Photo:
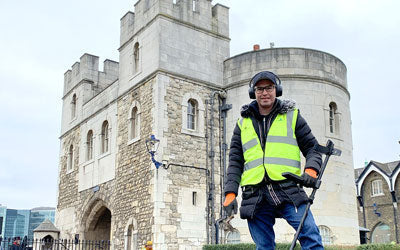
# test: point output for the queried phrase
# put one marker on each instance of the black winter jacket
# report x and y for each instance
(282, 191)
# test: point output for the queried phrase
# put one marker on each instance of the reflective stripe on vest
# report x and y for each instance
(282, 153)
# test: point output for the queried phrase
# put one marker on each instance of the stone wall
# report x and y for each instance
(132, 197)
(182, 222)
(384, 206)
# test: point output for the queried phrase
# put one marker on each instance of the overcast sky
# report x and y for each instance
(40, 40)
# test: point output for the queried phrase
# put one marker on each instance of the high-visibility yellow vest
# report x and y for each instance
(282, 154)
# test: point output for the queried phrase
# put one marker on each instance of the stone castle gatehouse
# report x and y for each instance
(176, 80)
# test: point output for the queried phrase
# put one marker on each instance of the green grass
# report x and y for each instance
(283, 246)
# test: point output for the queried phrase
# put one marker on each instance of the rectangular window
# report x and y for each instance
(376, 188)
(194, 198)
(195, 5)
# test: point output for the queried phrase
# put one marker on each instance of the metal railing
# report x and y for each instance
(58, 244)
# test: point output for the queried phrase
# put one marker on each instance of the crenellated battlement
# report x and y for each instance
(88, 69)
(199, 13)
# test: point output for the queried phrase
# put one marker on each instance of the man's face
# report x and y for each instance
(266, 97)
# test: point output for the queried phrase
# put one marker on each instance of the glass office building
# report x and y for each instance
(22, 222)
(38, 215)
(17, 223)
(3, 211)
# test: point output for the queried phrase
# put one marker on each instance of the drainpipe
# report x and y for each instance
(394, 200)
(207, 181)
(361, 202)
(211, 155)
(223, 114)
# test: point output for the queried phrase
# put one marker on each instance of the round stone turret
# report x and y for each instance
(316, 80)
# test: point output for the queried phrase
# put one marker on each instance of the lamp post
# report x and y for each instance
(152, 145)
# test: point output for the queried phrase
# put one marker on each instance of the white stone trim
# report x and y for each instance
(371, 168)
(394, 177)
(199, 130)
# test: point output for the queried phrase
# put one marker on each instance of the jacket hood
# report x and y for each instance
(280, 106)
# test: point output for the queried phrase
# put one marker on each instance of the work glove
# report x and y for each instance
(230, 204)
(309, 177)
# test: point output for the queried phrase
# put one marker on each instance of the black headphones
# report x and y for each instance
(265, 75)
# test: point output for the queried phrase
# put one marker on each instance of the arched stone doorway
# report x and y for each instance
(381, 233)
(47, 243)
(98, 226)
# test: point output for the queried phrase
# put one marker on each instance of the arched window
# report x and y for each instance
(233, 237)
(131, 235)
(192, 114)
(134, 123)
(70, 160)
(73, 106)
(332, 117)
(376, 188)
(381, 233)
(326, 235)
(89, 145)
(136, 57)
(104, 137)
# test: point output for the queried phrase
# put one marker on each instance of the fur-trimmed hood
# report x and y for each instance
(280, 106)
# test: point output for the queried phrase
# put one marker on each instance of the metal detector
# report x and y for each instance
(328, 150)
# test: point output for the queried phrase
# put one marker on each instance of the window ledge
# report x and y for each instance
(70, 170)
(133, 140)
(72, 120)
(192, 132)
(105, 154)
(135, 75)
(87, 162)
(376, 195)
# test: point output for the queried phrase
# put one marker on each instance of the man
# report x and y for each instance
(16, 243)
(266, 142)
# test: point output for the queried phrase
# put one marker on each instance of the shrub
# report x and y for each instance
(378, 247)
(286, 246)
(279, 246)
(245, 246)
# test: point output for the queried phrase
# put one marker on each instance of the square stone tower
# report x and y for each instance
(169, 75)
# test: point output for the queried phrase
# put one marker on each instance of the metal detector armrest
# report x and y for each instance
(293, 177)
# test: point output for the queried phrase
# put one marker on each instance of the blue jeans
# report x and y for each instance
(262, 232)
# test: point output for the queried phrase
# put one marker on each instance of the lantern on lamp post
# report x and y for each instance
(152, 145)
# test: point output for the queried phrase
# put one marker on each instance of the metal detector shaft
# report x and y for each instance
(328, 151)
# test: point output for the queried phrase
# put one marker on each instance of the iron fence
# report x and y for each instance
(58, 244)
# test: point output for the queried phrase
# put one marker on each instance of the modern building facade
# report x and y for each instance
(17, 223)
(176, 80)
(378, 194)
(22, 222)
(3, 213)
(39, 215)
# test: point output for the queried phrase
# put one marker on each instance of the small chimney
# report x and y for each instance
(256, 47)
